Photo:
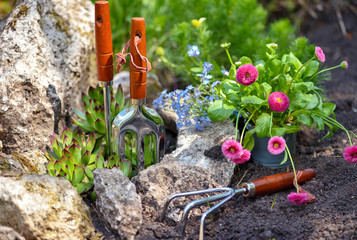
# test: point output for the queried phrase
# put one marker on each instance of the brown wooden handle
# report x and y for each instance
(138, 77)
(281, 181)
(103, 42)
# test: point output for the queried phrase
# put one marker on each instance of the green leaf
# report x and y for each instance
(89, 119)
(232, 72)
(89, 173)
(54, 139)
(83, 187)
(90, 141)
(99, 125)
(291, 129)
(78, 176)
(248, 141)
(51, 168)
(75, 150)
(119, 97)
(319, 122)
(79, 114)
(85, 99)
(329, 133)
(285, 157)
(99, 162)
(306, 101)
(70, 165)
(245, 60)
(67, 133)
(262, 125)
(83, 125)
(310, 69)
(93, 93)
(196, 70)
(85, 158)
(306, 119)
(277, 131)
(266, 89)
(252, 100)
(67, 153)
(126, 168)
(328, 108)
(219, 111)
(79, 136)
(302, 86)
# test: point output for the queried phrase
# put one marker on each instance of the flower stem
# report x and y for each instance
(292, 164)
(287, 91)
(235, 138)
(245, 125)
(229, 56)
(325, 70)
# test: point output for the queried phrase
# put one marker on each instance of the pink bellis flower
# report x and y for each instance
(276, 145)
(298, 198)
(243, 158)
(320, 54)
(344, 65)
(247, 74)
(278, 102)
(350, 154)
(232, 149)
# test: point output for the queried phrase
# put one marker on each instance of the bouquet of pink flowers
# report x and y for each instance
(276, 96)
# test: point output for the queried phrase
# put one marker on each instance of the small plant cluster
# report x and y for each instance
(191, 104)
(74, 157)
(78, 151)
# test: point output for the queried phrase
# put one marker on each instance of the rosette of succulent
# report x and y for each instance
(276, 96)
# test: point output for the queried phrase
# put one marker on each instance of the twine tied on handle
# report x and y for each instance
(120, 57)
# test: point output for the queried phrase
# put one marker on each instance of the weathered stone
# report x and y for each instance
(43, 207)
(158, 182)
(21, 163)
(117, 202)
(192, 145)
(46, 50)
(169, 118)
(7, 233)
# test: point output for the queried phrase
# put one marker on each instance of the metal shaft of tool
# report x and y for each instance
(205, 214)
(200, 202)
(107, 116)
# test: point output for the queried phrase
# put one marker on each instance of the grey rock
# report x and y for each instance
(22, 163)
(46, 60)
(117, 202)
(192, 145)
(158, 182)
(43, 207)
(7, 233)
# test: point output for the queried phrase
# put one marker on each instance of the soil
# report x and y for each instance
(333, 214)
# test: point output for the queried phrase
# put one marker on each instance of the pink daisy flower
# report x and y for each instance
(344, 65)
(247, 74)
(232, 149)
(276, 145)
(278, 102)
(243, 158)
(350, 154)
(320, 54)
(298, 198)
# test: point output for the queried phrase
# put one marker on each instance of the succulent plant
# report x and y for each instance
(93, 119)
(74, 157)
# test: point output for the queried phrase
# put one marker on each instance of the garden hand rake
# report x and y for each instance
(261, 186)
(138, 119)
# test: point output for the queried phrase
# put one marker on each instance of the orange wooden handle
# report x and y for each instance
(137, 77)
(103, 42)
(281, 181)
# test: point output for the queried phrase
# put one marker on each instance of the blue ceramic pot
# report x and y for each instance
(261, 155)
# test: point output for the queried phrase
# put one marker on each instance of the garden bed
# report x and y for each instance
(333, 215)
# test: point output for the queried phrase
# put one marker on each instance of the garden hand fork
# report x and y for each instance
(138, 119)
(261, 186)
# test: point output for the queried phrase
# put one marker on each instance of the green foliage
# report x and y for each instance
(172, 25)
(74, 157)
(284, 73)
(93, 119)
